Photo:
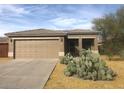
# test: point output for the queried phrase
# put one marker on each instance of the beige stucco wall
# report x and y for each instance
(62, 51)
(10, 52)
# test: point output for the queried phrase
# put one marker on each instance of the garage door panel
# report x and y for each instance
(36, 48)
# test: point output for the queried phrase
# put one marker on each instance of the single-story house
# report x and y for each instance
(3, 47)
(44, 43)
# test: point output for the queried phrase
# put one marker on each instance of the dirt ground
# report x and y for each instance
(59, 81)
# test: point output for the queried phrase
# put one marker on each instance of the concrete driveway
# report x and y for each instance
(25, 74)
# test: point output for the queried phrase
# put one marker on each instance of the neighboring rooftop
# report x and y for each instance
(47, 32)
(3, 40)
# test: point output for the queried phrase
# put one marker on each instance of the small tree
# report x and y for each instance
(112, 28)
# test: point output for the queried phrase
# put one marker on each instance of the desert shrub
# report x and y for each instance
(89, 67)
(71, 68)
(66, 59)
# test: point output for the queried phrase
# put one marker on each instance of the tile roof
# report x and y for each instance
(81, 31)
(37, 32)
(47, 32)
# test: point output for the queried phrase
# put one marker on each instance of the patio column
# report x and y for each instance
(95, 44)
(62, 46)
(80, 43)
(95, 49)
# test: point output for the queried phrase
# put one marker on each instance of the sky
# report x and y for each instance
(19, 17)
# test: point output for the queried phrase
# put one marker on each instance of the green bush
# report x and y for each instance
(89, 67)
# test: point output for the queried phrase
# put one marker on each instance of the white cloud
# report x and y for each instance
(83, 26)
(63, 21)
(12, 10)
(4, 30)
(68, 23)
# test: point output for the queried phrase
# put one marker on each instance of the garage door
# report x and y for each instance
(36, 48)
(3, 49)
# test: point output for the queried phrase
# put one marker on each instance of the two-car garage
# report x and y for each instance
(36, 44)
(39, 48)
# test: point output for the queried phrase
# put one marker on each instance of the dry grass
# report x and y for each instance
(59, 80)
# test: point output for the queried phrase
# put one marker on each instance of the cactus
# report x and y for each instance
(94, 75)
(66, 59)
(89, 66)
(67, 72)
(104, 77)
(71, 67)
(102, 71)
(80, 72)
(109, 77)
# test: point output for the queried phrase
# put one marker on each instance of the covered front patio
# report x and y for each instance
(76, 43)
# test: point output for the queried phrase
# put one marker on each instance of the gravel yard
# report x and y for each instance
(59, 81)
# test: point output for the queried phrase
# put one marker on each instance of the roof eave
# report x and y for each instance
(83, 33)
(50, 35)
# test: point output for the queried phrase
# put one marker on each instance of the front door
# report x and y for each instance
(73, 47)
